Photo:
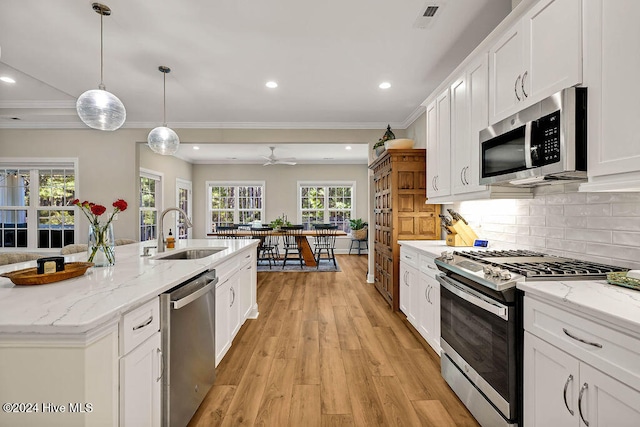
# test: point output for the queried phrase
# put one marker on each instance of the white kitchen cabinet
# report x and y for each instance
(577, 370)
(226, 316)
(141, 385)
(247, 297)
(611, 40)
(540, 55)
(409, 277)
(469, 115)
(429, 295)
(438, 146)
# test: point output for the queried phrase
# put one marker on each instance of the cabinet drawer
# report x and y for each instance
(409, 256)
(139, 324)
(615, 353)
(427, 266)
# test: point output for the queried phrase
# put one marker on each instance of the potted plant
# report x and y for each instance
(279, 222)
(358, 228)
(378, 147)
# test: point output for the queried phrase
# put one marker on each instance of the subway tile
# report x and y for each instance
(613, 197)
(567, 199)
(499, 219)
(531, 220)
(537, 210)
(599, 209)
(588, 235)
(614, 223)
(627, 238)
(532, 241)
(625, 209)
(566, 245)
(567, 221)
(554, 232)
(614, 251)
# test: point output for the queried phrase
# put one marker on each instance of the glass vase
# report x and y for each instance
(101, 245)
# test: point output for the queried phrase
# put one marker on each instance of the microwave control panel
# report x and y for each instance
(545, 141)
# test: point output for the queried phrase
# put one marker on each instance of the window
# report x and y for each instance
(234, 202)
(326, 202)
(150, 202)
(35, 210)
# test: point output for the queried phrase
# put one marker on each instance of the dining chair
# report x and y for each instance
(226, 231)
(290, 243)
(325, 240)
(265, 249)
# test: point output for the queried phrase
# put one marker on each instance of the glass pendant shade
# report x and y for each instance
(163, 140)
(101, 110)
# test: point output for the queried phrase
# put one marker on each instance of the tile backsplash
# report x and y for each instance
(559, 220)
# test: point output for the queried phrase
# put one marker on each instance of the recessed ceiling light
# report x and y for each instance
(7, 79)
(384, 85)
(195, 147)
(348, 147)
(271, 85)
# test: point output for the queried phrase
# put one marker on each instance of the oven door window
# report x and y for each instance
(504, 153)
(480, 338)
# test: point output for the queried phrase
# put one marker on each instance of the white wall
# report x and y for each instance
(599, 227)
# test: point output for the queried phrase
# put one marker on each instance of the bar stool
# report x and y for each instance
(358, 242)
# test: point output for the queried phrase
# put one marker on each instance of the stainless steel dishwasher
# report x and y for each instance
(187, 315)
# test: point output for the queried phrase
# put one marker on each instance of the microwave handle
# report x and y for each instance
(528, 161)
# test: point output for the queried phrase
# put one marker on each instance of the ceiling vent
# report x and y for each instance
(427, 15)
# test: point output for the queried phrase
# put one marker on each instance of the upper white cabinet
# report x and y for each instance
(611, 62)
(540, 55)
(438, 146)
(469, 115)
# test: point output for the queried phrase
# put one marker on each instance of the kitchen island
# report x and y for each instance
(63, 345)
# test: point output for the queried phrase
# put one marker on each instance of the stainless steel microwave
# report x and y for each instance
(545, 143)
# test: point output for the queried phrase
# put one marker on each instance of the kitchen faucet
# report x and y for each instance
(187, 222)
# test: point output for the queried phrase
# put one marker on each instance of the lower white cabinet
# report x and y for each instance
(141, 385)
(420, 295)
(581, 387)
(235, 299)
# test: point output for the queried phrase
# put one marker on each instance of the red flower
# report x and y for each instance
(120, 205)
(98, 209)
(75, 202)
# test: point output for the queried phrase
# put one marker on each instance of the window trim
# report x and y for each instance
(158, 176)
(326, 184)
(38, 163)
(216, 183)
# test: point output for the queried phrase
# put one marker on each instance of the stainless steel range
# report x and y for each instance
(481, 324)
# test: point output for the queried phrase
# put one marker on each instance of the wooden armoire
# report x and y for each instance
(400, 213)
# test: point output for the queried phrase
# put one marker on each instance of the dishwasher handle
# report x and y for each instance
(178, 304)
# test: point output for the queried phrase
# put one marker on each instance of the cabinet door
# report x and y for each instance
(505, 68)
(432, 148)
(478, 100)
(552, 30)
(246, 286)
(223, 331)
(612, 34)
(405, 291)
(443, 178)
(606, 401)
(550, 385)
(429, 311)
(460, 142)
(234, 307)
(141, 385)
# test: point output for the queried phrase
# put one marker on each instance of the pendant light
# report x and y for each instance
(163, 140)
(98, 108)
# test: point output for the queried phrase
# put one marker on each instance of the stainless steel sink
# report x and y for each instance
(191, 254)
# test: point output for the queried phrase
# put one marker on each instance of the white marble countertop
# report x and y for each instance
(77, 305)
(593, 298)
(429, 247)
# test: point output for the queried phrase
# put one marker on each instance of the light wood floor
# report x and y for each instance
(326, 350)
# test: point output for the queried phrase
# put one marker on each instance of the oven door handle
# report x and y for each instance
(493, 308)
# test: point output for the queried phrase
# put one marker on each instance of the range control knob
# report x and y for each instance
(495, 272)
(487, 269)
(505, 275)
(447, 255)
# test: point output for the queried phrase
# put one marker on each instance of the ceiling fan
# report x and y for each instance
(273, 160)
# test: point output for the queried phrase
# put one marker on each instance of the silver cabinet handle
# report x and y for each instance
(433, 182)
(564, 393)
(178, 304)
(582, 390)
(233, 297)
(570, 335)
(515, 88)
(461, 175)
(429, 292)
(466, 179)
(437, 176)
(426, 293)
(522, 84)
(143, 324)
(161, 361)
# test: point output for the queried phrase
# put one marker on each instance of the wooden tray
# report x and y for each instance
(30, 276)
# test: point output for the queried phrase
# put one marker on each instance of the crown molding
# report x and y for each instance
(38, 104)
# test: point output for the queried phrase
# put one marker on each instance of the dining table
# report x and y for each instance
(303, 242)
